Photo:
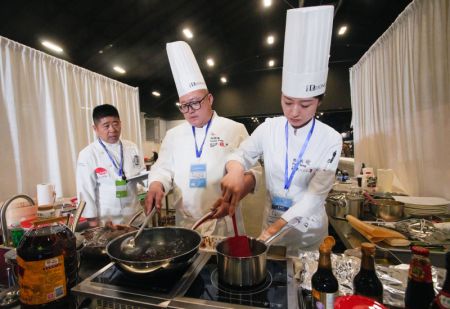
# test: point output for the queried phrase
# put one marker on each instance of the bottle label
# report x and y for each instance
(41, 282)
(420, 270)
(323, 300)
(443, 300)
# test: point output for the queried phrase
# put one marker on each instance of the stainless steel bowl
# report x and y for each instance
(388, 210)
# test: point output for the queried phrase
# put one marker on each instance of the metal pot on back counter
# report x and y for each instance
(340, 204)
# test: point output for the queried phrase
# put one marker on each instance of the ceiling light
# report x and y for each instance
(342, 30)
(119, 69)
(223, 79)
(271, 63)
(188, 33)
(267, 3)
(270, 39)
(156, 93)
(52, 46)
(321, 114)
(210, 62)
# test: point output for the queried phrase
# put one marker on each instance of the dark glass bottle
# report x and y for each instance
(442, 300)
(324, 284)
(419, 291)
(48, 265)
(366, 282)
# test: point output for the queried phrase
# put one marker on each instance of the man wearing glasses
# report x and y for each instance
(193, 154)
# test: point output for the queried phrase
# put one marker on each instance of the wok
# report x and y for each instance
(163, 249)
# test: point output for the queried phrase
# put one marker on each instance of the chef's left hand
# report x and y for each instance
(272, 229)
(221, 207)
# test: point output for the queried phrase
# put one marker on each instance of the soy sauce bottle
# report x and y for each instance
(366, 282)
(419, 291)
(324, 284)
(442, 300)
(48, 264)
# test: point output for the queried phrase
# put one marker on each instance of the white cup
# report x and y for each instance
(46, 194)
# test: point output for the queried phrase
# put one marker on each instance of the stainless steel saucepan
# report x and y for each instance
(251, 270)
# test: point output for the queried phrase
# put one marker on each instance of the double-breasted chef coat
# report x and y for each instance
(310, 184)
(177, 156)
(96, 180)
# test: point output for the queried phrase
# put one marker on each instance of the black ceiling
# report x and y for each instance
(97, 34)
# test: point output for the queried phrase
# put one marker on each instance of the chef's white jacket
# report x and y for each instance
(312, 181)
(96, 177)
(176, 155)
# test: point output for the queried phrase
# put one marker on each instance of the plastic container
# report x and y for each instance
(48, 266)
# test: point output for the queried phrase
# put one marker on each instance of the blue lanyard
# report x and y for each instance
(288, 180)
(198, 152)
(120, 167)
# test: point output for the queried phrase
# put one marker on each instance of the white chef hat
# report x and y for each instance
(306, 51)
(185, 70)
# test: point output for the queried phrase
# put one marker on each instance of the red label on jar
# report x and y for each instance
(420, 270)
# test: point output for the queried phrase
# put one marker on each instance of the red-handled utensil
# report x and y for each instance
(239, 245)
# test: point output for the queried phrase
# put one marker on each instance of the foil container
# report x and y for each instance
(393, 277)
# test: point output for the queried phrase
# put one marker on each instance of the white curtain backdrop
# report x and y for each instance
(46, 118)
(400, 92)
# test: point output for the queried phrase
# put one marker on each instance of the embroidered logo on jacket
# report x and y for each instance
(216, 141)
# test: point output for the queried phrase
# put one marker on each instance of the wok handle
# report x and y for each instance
(200, 221)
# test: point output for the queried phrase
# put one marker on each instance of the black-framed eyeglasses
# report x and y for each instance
(195, 105)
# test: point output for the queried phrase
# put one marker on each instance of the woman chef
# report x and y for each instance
(193, 155)
(300, 153)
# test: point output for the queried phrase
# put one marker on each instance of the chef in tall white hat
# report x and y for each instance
(300, 152)
(193, 155)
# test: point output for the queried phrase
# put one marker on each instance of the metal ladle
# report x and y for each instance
(128, 246)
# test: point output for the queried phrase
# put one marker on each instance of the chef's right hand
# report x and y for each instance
(233, 185)
(154, 196)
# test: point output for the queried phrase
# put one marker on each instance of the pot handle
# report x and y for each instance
(368, 197)
(291, 223)
(77, 215)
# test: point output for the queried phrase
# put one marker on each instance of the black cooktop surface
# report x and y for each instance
(272, 293)
(161, 284)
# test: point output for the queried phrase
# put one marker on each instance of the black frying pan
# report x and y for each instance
(162, 249)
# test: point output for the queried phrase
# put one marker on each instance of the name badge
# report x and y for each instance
(121, 188)
(197, 178)
(281, 203)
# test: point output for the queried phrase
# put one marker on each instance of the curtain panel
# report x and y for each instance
(46, 118)
(400, 93)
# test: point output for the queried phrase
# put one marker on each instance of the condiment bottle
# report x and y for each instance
(48, 264)
(442, 300)
(324, 284)
(419, 291)
(366, 282)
